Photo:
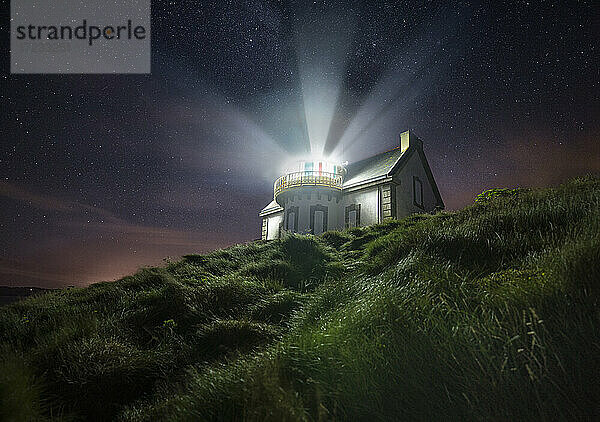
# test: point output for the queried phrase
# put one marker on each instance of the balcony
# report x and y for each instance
(308, 178)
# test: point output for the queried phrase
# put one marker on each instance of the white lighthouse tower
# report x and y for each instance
(310, 196)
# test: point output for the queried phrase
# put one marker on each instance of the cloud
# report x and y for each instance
(83, 250)
(20, 271)
(51, 203)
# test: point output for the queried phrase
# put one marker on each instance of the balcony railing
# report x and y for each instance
(308, 178)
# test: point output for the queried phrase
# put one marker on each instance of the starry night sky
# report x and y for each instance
(102, 174)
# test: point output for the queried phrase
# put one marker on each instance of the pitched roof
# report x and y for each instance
(271, 208)
(387, 163)
(372, 168)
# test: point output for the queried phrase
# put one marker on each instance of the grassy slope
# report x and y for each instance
(487, 313)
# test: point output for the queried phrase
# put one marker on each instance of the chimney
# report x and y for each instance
(408, 139)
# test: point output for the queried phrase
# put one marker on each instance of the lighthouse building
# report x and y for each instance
(317, 196)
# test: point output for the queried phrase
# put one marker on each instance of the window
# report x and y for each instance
(265, 228)
(291, 219)
(319, 222)
(352, 216)
(318, 219)
(418, 192)
(352, 219)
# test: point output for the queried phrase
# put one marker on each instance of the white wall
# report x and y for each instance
(404, 191)
(369, 205)
(304, 201)
(273, 222)
(367, 198)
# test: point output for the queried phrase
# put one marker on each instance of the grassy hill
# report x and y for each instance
(490, 313)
